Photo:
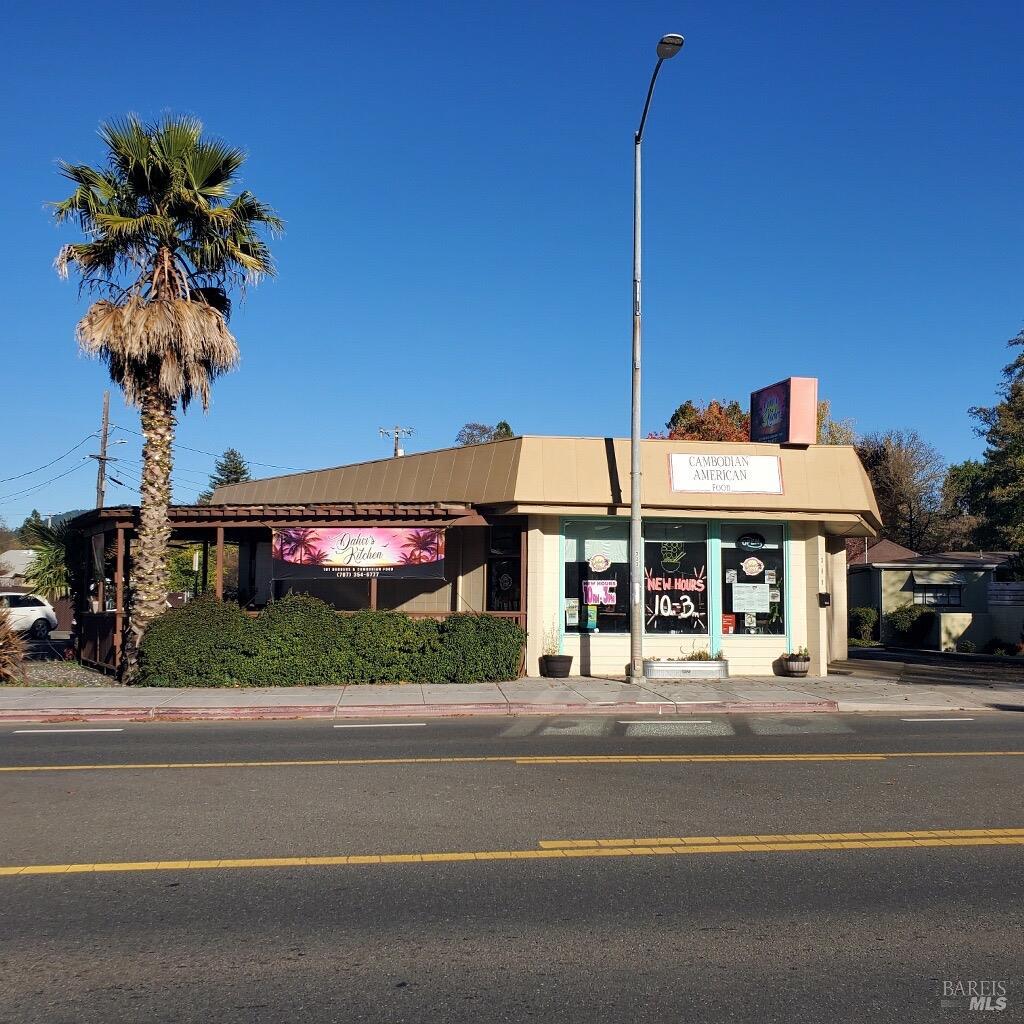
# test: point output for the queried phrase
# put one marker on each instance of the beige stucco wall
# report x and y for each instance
(816, 563)
(838, 613)
(462, 590)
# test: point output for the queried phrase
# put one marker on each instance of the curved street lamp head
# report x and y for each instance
(669, 46)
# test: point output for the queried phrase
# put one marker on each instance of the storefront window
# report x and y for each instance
(596, 577)
(504, 563)
(675, 578)
(753, 580)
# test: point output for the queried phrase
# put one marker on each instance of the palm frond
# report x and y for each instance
(47, 572)
(183, 345)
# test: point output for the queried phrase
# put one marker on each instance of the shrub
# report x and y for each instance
(910, 625)
(203, 643)
(998, 647)
(480, 648)
(300, 640)
(862, 623)
(300, 643)
(12, 651)
(966, 646)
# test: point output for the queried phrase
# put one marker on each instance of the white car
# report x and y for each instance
(30, 614)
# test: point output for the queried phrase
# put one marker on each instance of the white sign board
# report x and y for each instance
(725, 474)
(750, 597)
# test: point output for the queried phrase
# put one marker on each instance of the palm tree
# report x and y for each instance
(47, 573)
(165, 245)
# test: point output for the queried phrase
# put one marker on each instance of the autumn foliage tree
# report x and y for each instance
(716, 421)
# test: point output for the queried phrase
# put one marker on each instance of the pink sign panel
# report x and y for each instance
(333, 552)
(599, 592)
(785, 413)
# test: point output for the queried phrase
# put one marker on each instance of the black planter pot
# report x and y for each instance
(556, 666)
(796, 667)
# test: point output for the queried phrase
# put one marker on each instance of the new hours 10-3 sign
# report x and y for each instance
(358, 553)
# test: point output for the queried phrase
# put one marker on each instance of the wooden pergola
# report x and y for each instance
(101, 616)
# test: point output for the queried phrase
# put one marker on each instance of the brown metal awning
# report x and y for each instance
(199, 517)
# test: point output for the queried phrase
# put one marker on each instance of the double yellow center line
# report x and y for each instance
(524, 760)
(556, 849)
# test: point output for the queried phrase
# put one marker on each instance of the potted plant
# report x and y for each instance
(552, 664)
(699, 664)
(796, 663)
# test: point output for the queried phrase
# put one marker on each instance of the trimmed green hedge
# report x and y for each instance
(862, 623)
(301, 641)
(909, 626)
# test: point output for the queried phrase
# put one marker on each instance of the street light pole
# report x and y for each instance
(668, 46)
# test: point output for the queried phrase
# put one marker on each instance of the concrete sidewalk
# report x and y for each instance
(523, 697)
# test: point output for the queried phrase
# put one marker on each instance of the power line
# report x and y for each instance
(212, 455)
(39, 469)
(37, 487)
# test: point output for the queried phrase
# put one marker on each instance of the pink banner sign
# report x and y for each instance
(301, 553)
(599, 592)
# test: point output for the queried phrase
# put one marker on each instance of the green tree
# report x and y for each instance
(165, 244)
(8, 537)
(32, 520)
(230, 468)
(835, 432)
(181, 576)
(480, 433)
(1002, 426)
(965, 507)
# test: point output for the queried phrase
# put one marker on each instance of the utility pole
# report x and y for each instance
(668, 47)
(397, 433)
(101, 459)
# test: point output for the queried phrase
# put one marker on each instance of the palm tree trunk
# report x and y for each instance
(149, 563)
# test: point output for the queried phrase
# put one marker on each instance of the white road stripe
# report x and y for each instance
(58, 731)
(663, 721)
(936, 719)
(381, 725)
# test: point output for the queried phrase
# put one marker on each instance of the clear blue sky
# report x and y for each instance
(832, 189)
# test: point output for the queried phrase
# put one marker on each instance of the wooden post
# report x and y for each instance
(523, 576)
(219, 571)
(522, 571)
(118, 598)
(101, 570)
(373, 593)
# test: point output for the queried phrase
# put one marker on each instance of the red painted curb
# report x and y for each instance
(330, 711)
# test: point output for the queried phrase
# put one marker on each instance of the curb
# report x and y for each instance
(333, 712)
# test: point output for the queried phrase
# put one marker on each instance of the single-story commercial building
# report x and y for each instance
(744, 544)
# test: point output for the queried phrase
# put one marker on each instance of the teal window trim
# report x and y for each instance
(788, 600)
(715, 588)
(789, 587)
(712, 591)
(714, 532)
(561, 587)
(714, 626)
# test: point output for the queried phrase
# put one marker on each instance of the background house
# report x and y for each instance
(959, 586)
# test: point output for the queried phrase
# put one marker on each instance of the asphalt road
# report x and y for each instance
(767, 931)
